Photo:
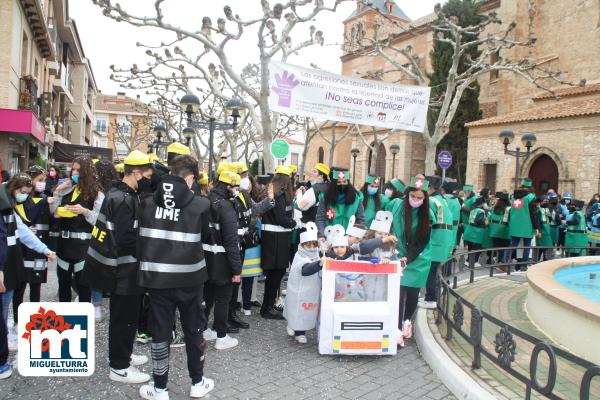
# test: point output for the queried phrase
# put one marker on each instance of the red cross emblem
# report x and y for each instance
(419, 183)
(517, 203)
(330, 214)
(341, 175)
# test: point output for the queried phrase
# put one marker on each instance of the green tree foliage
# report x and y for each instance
(466, 13)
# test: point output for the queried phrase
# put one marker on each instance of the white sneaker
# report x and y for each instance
(283, 292)
(209, 334)
(150, 392)
(247, 313)
(10, 325)
(98, 312)
(407, 329)
(290, 331)
(138, 359)
(301, 339)
(477, 265)
(128, 375)
(429, 305)
(13, 343)
(226, 342)
(202, 388)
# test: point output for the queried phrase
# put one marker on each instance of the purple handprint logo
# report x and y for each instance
(285, 86)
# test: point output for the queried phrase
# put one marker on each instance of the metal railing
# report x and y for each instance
(456, 312)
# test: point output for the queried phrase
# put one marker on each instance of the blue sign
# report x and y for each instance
(444, 159)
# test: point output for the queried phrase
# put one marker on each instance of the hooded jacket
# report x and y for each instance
(169, 247)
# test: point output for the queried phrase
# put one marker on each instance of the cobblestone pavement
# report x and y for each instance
(266, 365)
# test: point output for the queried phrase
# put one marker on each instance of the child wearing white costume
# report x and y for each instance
(302, 301)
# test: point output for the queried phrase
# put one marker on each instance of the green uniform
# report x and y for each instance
(468, 204)
(416, 272)
(475, 232)
(554, 226)
(519, 224)
(371, 210)
(546, 239)
(454, 205)
(576, 235)
(499, 224)
(343, 211)
(441, 241)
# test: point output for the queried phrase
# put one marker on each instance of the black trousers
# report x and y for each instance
(65, 282)
(409, 299)
(163, 303)
(34, 296)
(144, 314)
(473, 247)
(272, 284)
(218, 296)
(3, 339)
(431, 285)
(247, 284)
(502, 254)
(122, 326)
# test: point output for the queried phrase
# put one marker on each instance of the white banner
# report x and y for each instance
(325, 96)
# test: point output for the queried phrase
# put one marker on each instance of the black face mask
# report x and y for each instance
(342, 188)
(144, 185)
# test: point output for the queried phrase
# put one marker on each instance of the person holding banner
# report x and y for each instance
(339, 203)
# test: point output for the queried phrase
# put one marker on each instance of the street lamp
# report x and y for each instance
(188, 134)
(354, 152)
(394, 149)
(190, 104)
(159, 131)
(528, 139)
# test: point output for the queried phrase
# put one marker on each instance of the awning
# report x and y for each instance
(24, 122)
(63, 152)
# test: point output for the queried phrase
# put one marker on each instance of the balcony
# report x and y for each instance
(64, 82)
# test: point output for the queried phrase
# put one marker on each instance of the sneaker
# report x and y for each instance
(13, 343)
(301, 339)
(209, 334)
(142, 338)
(247, 313)
(290, 331)
(5, 370)
(226, 342)
(202, 388)
(177, 341)
(137, 360)
(128, 375)
(150, 392)
(429, 305)
(98, 312)
(407, 329)
(283, 292)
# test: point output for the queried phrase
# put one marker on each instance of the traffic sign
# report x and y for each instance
(280, 148)
(444, 159)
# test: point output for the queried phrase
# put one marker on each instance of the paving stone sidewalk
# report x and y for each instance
(266, 365)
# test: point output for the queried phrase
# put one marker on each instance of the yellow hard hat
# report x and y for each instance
(240, 167)
(284, 170)
(322, 168)
(120, 167)
(223, 166)
(179, 148)
(293, 167)
(153, 157)
(136, 157)
(203, 178)
(230, 177)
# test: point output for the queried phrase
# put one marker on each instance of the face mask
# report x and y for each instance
(342, 188)
(21, 197)
(144, 185)
(372, 191)
(415, 203)
(389, 193)
(52, 174)
(567, 201)
(40, 187)
(245, 184)
(75, 178)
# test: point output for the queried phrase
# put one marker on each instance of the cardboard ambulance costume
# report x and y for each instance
(359, 326)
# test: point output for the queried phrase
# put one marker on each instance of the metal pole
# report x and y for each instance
(354, 171)
(517, 172)
(393, 165)
(211, 133)
(443, 175)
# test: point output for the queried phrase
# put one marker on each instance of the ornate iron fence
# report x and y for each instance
(452, 309)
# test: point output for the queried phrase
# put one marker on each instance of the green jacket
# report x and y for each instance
(343, 212)
(371, 210)
(499, 224)
(454, 205)
(576, 232)
(468, 204)
(520, 224)
(476, 228)
(546, 239)
(442, 241)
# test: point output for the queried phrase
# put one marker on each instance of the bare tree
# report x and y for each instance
(410, 68)
(377, 138)
(273, 39)
(330, 137)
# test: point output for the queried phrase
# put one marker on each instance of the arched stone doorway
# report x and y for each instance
(379, 162)
(544, 174)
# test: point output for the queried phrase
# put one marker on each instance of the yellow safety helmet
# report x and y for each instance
(203, 179)
(230, 178)
(284, 170)
(136, 158)
(153, 157)
(322, 168)
(293, 168)
(223, 166)
(240, 167)
(179, 148)
(120, 168)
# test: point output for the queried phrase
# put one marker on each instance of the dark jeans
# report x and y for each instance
(247, 292)
(514, 241)
(472, 247)
(502, 254)
(66, 280)
(144, 314)
(3, 339)
(272, 284)
(163, 303)
(431, 285)
(122, 326)
(218, 296)
(409, 298)
(34, 296)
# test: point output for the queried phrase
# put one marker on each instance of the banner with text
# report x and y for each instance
(325, 96)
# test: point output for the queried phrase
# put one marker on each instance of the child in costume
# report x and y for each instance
(304, 286)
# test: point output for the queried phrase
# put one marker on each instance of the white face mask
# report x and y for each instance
(389, 193)
(245, 184)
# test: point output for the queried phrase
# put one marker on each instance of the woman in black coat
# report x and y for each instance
(277, 225)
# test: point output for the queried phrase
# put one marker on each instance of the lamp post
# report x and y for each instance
(188, 134)
(159, 131)
(394, 149)
(354, 153)
(528, 139)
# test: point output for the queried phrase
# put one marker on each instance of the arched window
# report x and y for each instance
(321, 156)
(379, 163)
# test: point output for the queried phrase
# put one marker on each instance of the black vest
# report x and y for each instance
(14, 259)
(75, 232)
(35, 213)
